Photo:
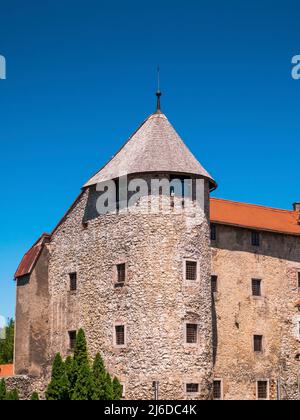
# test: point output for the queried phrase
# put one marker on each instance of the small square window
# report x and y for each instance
(72, 339)
(258, 343)
(191, 270)
(191, 333)
(120, 335)
(217, 390)
(256, 287)
(121, 274)
(213, 232)
(262, 390)
(255, 238)
(73, 282)
(214, 284)
(192, 388)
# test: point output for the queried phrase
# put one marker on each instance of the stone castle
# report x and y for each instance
(197, 304)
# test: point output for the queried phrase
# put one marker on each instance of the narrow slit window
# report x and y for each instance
(214, 284)
(120, 335)
(85, 224)
(191, 270)
(191, 333)
(256, 287)
(213, 232)
(255, 238)
(258, 343)
(72, 339)
(299, 279)
(262, 390)
(192, 388)
(217, 390)
(73, 282)
(121, 270)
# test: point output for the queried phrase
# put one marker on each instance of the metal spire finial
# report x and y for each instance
(158, 93)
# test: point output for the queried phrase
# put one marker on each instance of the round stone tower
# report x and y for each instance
(143, 271)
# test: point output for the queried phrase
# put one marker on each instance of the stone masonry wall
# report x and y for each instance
(154, 305)
(32, 320)
(240, 315)
(26, 386)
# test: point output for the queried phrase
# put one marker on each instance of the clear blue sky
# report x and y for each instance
(81, 78)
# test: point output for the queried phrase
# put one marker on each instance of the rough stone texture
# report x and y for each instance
(26, 386)
(154, 304)
(32, 320)
(240, 316)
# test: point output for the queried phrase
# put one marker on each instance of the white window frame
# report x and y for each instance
(296, 327)
(123, 389)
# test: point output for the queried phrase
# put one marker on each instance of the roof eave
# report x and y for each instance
(212, 183)
(256, 228)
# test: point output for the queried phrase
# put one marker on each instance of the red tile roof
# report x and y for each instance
(6, 371)
(30, 258)
(255, 217)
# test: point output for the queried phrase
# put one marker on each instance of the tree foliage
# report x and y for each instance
(117, 389)
(82, 377)
(58, 389)
(7, 395)
(2, 390)
(35, 397)
(76, 379)
(12, 395)
(7, 344)
(99, 379)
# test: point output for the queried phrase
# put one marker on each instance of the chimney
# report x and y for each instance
(296, 206)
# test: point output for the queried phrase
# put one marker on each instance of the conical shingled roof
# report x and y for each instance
(154, 147)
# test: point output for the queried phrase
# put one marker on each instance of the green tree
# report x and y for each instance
(2, 390)
(99, 379)
(75, 380)
(109, 390)
(83, 387)
(35, 397)
(80, 352)
(7, 345)
(69, 369)
(117, 389)
(12, 395)
(82, 377)
(58, 389)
